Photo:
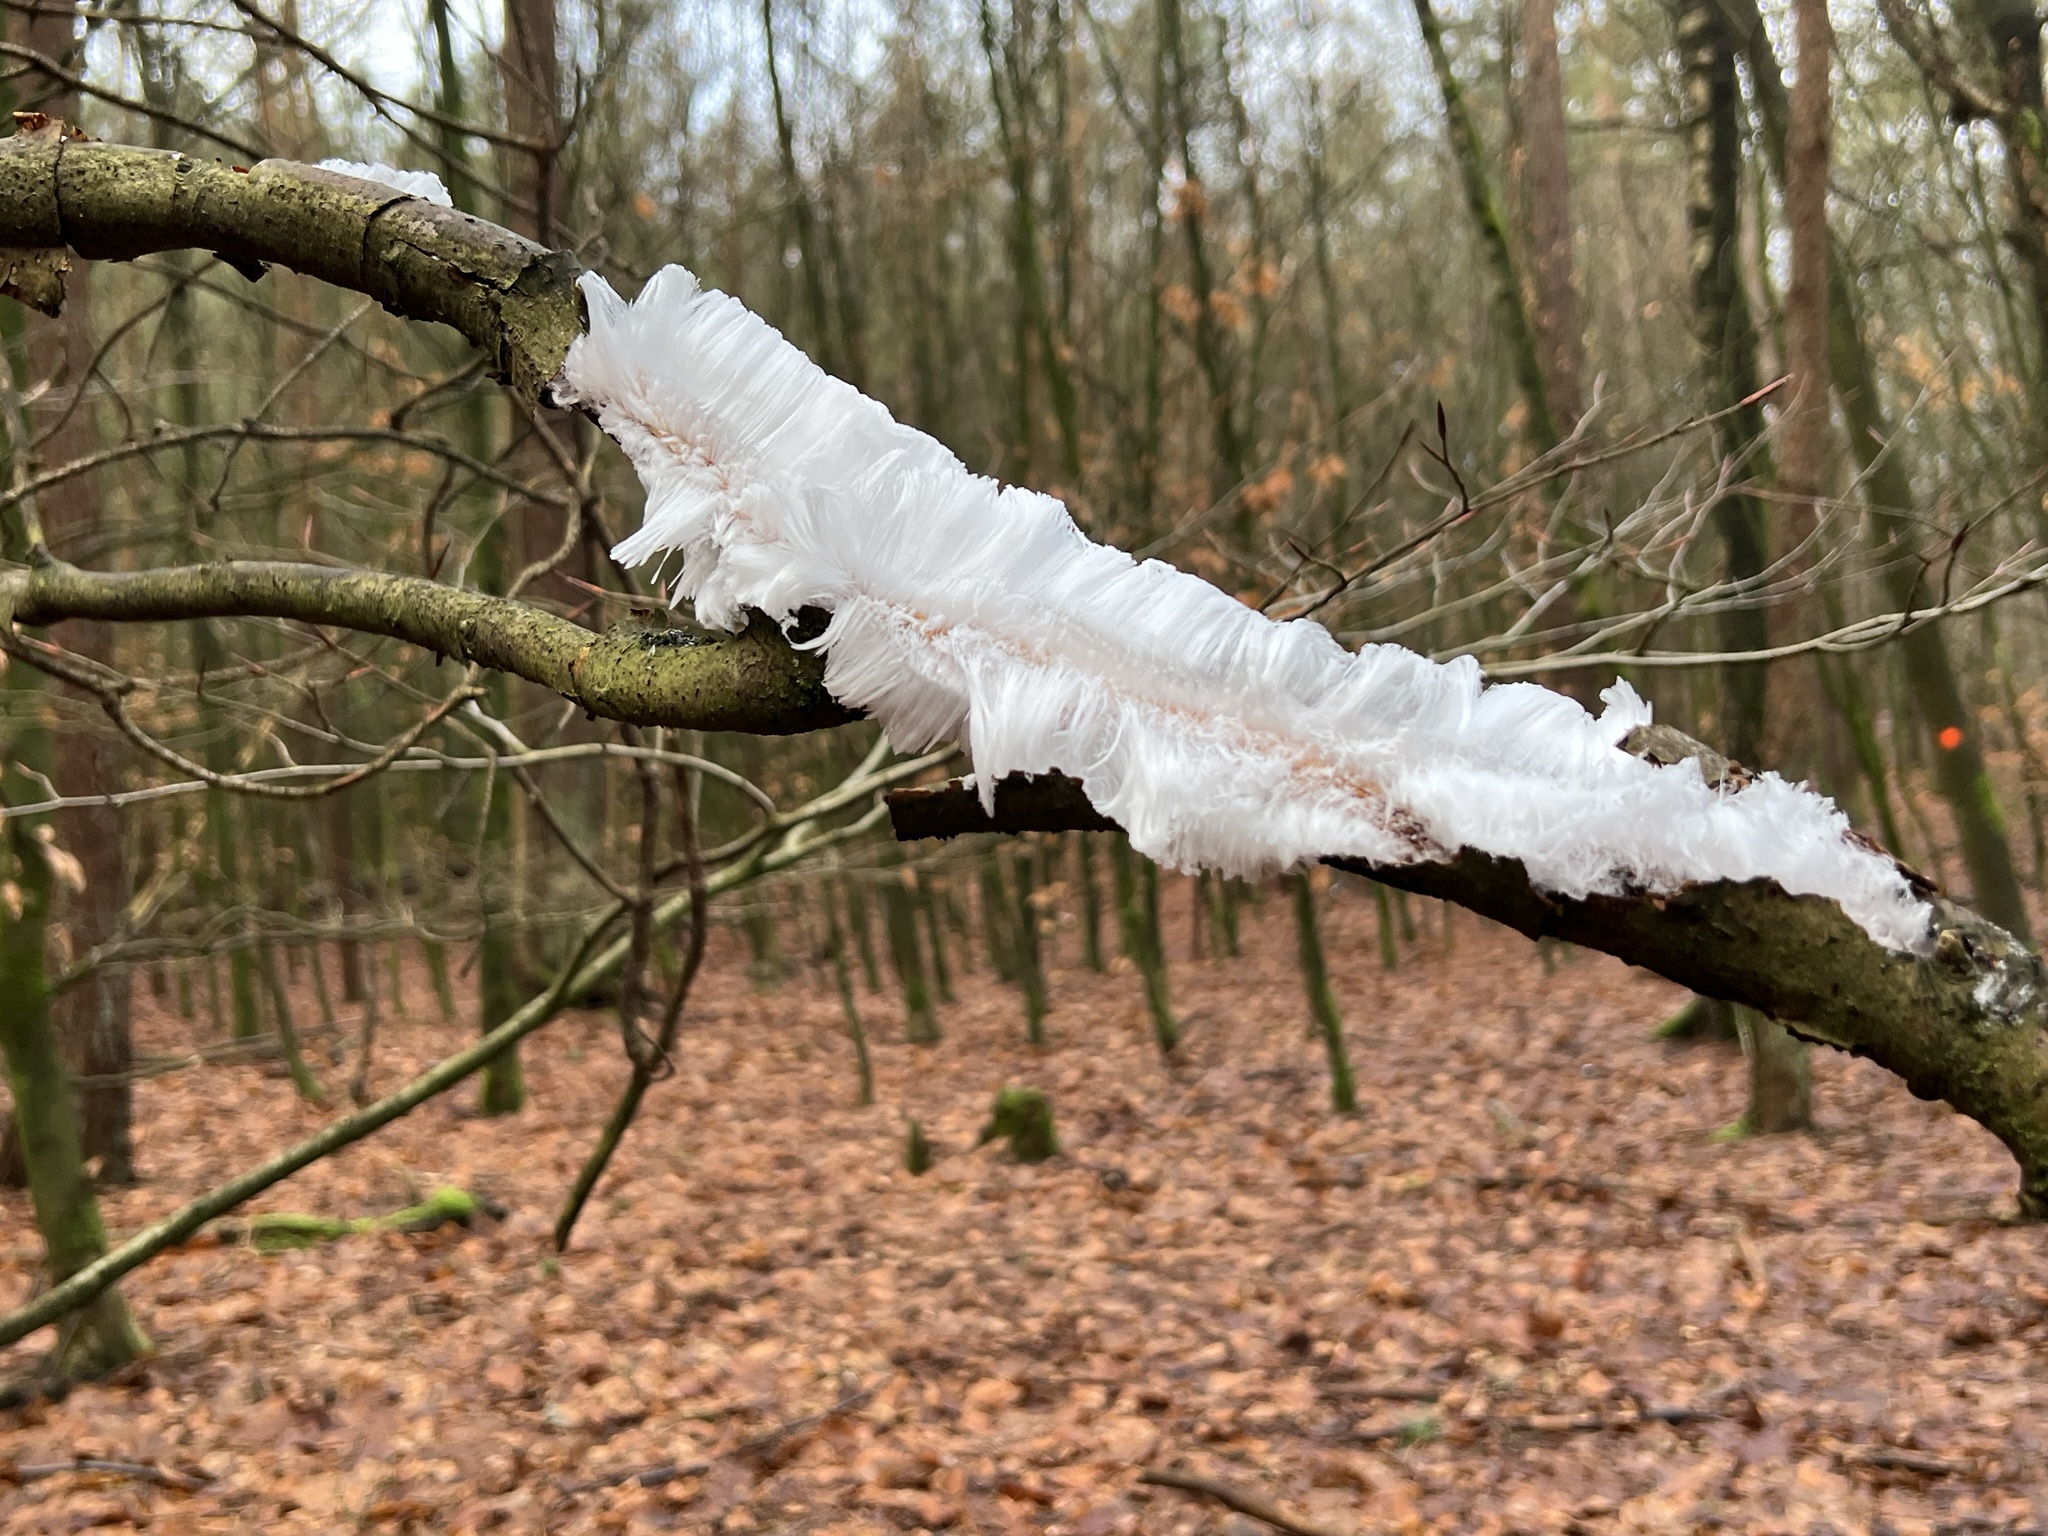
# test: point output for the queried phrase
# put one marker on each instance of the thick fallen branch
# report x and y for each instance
(1966, 1023)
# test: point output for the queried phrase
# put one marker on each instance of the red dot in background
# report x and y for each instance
(1950, 738)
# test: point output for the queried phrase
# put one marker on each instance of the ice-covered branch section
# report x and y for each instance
(966, 610)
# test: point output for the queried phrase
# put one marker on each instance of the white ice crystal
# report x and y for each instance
(413, 183)
(965, 610)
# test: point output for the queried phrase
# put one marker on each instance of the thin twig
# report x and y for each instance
(654, 1057)
(144, 1472)
(1230, 1496)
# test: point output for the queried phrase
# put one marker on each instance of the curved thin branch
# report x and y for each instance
(112, 693)
(753, 681)
(50, 69)
(379, 98)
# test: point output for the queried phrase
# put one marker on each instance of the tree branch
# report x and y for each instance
(753, 681)
(1966, 1023)
(110, 202)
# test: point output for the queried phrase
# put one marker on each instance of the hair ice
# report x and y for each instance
(970, 611)
(413, 183)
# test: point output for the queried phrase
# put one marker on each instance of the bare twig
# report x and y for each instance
(163, 1477)
(648, 1057)
(1892, 1458)
(1230, 1496)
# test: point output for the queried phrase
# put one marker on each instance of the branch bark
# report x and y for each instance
(1966, 1023)
(513, 299)
(753, 681)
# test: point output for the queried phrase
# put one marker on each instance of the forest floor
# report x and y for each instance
(1462, 1309)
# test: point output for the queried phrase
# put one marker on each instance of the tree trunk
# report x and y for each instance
(899, 910)
(1727, 345)
(46, 1116)
(1030, 965)
(803, 217)
(932, 900)
(1012, 72)
(1949, 724)
(1091, 902)
(1726, 341)
(1803, 428)
(1212, 343)
(1780, 1077)
(1322, 1001)
(2013, 29)
(1519, 335)
(863, 934)
(1805, 432)
(1550, 213)
(531, 71)
(92, 1019)
(1138, 918)
(44, 1137)
(502, 1087)
(995, 916)
(842, 976)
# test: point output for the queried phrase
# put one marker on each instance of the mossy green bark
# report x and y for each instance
(752, 681)
(1023, 1117)
(103, 1334)
(1322, 1000)
(1137, 905)
(917, 1152)
(277, 1231)
(906, 955)
(513, 299)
